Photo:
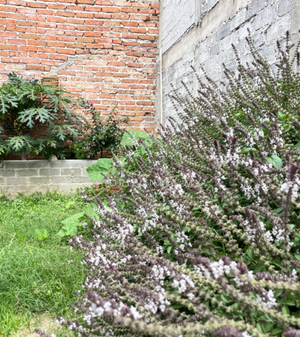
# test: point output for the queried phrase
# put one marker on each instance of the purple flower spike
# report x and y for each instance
(90, 132)
(92, 104)
(87, 101)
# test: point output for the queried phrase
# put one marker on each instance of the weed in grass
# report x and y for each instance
(35, 275)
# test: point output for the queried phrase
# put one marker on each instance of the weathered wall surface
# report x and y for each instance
(207, 40)
(102, 50)
(21, 176)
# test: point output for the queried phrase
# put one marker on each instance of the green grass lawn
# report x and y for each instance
(35, 275)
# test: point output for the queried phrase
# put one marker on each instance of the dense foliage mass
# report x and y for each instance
(100, 135)
(24, 104)
(203, 237)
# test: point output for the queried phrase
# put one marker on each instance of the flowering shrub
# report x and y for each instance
(203, 238)
(100, 135)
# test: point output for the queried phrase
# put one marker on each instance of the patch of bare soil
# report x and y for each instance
(43, 322)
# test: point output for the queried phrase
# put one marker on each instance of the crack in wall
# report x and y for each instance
(69, 62)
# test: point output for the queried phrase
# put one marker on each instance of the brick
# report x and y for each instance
(85, 39)
(30, 60)
(10, 60)
(88, 2)
(45, 12)
(16, 41)
(36, 4)
(57, 6)
(8, 47)
(46, 25)
(93, 9)
(8, 22)
(28, 48)
(8, 34)
(7, 9)
(50, 63)
(34, 67)
(129, 23)
(138, 30)
(47, 50)
(84, 15)
(17, 54)
(147, 37)
(102, 16)
(94, 22)
(38, 55)
(56, 44)
(120, 16)
(64, 13)
(58, 57)
(28, 36)
(110, 9)
(103, 3)
(56, 19)
(16, 2)
(129, 10)
(66, 51)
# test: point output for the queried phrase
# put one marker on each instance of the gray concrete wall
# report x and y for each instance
(204, 35)
(64, 176)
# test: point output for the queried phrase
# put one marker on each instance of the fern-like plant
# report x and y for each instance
(26, 103)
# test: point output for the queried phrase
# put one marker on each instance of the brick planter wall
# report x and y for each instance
(102, 50)
(21, 176)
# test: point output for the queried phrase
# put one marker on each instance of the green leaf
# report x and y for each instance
(98, 170)
(285, 310)
(21, 239)
(247, 149)
(278, 292)
(276, 331)
(169, 249)
(278, 210)
(297, 256)
(297, 146)
(275, 161)
(137, 135)
(72, 223)
(41, 234)
(266, 327)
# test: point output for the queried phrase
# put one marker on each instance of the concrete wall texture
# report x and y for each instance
(21, 176)
(206, 31)
(104, 50)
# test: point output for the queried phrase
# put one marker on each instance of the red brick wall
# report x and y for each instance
(102, 50)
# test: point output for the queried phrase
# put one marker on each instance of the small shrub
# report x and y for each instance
(100, 135)
(203, 237)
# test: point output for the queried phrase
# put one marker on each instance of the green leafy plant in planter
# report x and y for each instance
(101, 134)
(25, 103)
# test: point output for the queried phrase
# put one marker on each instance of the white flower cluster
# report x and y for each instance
(183, 284)
(158, 274)
(218, 269)
(152, 307)
(293, 185)
(108, 308)
(271, 301)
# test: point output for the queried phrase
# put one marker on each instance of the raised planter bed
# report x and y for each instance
(64, 176)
